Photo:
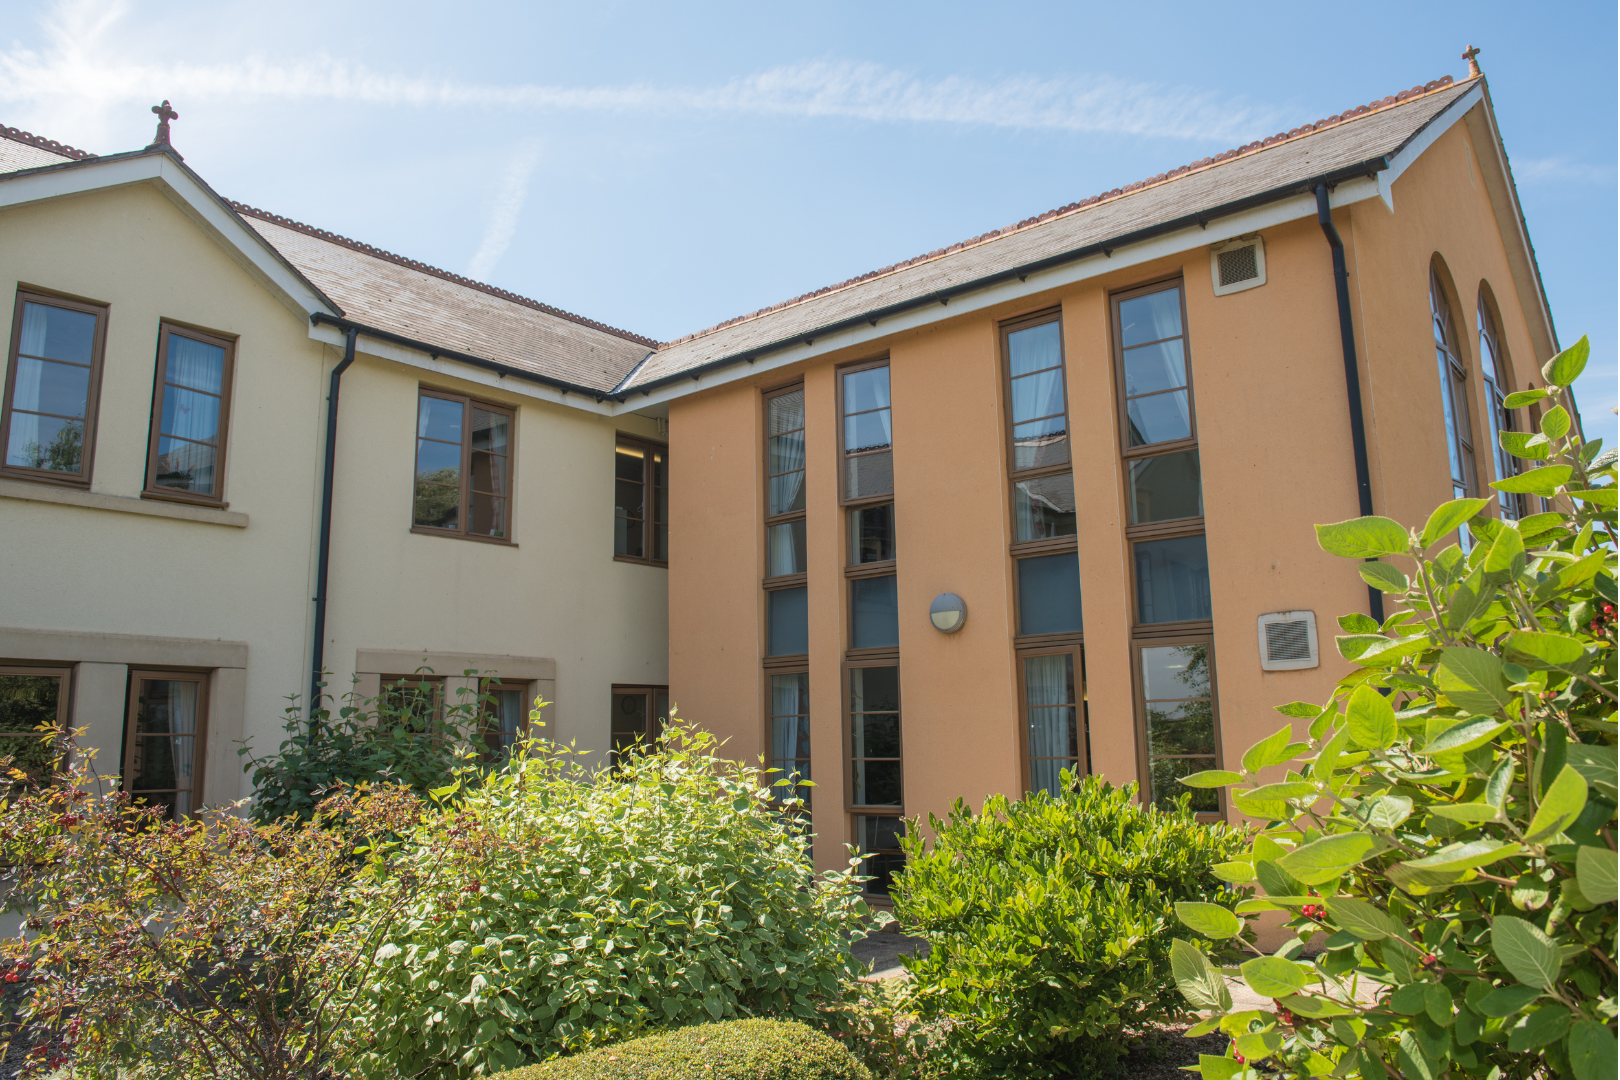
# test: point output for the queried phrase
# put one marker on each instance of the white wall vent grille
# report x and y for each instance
(1288, 641)
(1237, 265)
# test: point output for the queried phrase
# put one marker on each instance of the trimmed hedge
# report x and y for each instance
(730, 1050)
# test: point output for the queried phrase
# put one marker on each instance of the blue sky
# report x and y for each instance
(665, 167)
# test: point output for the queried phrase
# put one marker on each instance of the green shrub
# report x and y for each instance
(1448, 820)
(579, 909)
(880, 1025)
(730, 1050)
(1050, 922)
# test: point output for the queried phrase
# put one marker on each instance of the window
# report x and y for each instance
(877, 839)
(1453, 391)
(415, 702)
(1177, 720)
(29, 697)
(871, 534)
(788, 632)
(506, 716)
(53, 382)
(868, 486)
(790, 735)
(463, 467)
(874, 613)
(868, 431)
(1498, 385)
(787, 599)
(876, 795)
(1172, 580)
(1054, 716)
(641, 502)
(639, 715)
(164, 740)
(190, 414)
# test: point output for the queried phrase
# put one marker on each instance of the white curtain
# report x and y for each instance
(787, 458)
(783, 548)
(1049, 693)
(181, 710)
(199, 366)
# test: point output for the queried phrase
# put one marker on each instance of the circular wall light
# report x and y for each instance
(948, 612)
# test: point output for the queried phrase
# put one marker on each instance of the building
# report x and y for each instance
(1040, 500)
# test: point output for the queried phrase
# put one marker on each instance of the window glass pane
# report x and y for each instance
(489, 472)
(875, 614)
(188, 414)
(1175, 672)
(1151, 368)
(505, 712)
(865, 390)
(784, 549)
(627, 537)
(487, 515)
(787, 473)
(437, 506)
(48, 387)
(1037, 395)
(629, 722)
(627, 496)
(1044, 507)
(661, 543)
(438, 467)
(1166, 487)
(786, 412)
(876, 783)
(1040, 442)
(1166, 774)
(1054, 742)
(871, 534)
(45, 442)
(869, 474)
(1172, 580)
(165, 744)
(1180, 720)
(789, 622)
(629, 464)
(879, 839)
(875, 736)
(790, 733)
(867, 431)
(57, 333)
(1033, 349)
(489, 430)
(1180, 727)
(1049, 594)
(199, 365)
(27, 701)
(185, 466)
(874, 689)
(437, 418)
(1159, 418)
(1151, 317)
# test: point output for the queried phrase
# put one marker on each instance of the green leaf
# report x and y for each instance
(1198, 982)
(1266, 809)
(1211, 920)
(1302, 710)
(1504, 1001)
(1472, 679)
(1363, 538)
(1212, 778)
(1370, 719)
(1560, 806)
(1357, 623)
(1273, 977)
(1387, 652)
(1326, 760)
(1596, 763)
(1464, 736)
(1523, 398)
(1555, 423)
(1467, 856)
(1538, 1028)
(1314, 1007)
(1543, 481)
(1384, 577)
(1447, 516)
(1592, 1053)
(1237, 873)
(1546, 650)
(1274, 880)
(1607, 498)
(1272, 750)
(1362, 918)
(1386, 811)
(1526, 444)
(1414, 1063)
(1563, 369)
(1595, 871)
(1526, 952)
(1506, 558)
(1325, 859)
(1213, 1067)
(1472, 813)
(1291, 789)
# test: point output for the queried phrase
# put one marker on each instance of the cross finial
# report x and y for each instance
(164, 115)
(1469, 54)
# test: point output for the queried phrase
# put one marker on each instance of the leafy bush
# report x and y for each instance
(1050, 922)
(1448, 821)
(208, 946)
(730, 1050)
(402, 737)
(880, 1025)
(584, 909)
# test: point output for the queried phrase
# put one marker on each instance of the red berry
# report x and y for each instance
(1239, 1058)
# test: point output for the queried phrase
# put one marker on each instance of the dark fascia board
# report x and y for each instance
(595, 393)
(1369, 167)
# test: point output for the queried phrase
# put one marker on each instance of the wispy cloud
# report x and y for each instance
(1556, 169)
(503, 215)
(81, 62)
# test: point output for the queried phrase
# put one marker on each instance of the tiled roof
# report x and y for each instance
(24, 150)
(1311, 150)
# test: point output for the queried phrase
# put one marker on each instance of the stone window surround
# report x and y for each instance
(540, 674)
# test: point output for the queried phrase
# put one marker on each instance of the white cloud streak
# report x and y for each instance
(81, 63)
(503, 215)
(1560, 169)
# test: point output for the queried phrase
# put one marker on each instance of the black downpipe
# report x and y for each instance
(1352, 377)
(318, 659)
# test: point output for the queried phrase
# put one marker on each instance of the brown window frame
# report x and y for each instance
(654, 728)
(92, 405)
(1459, 385)
(1144, 762)
(64, 709)
(1496, 389)
(846, 716)
(649, 497)
(787, 517)
(797, 667)
(167, 329)
(1049, 544)
(1075, 648)
(200, 739)
(486, 685)
(464, 511)
(843, 455)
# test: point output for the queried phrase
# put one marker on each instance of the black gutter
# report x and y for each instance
(321, 318)
(324, 557)
(1202, 218)
(1352, 375)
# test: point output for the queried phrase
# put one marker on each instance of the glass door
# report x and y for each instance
(163, 740)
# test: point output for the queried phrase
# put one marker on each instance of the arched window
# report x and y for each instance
(1453, 392)
(1493, 368)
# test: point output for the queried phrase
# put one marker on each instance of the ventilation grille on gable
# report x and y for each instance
(1288, 641)
(1237, 264)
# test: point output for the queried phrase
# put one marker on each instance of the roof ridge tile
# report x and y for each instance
(41, 142)
(426, 268)
(1130, 189)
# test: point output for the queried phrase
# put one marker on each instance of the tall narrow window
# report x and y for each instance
(53, 381)
(1054, 700)
(190, 415)
(29, 698)
(505, 705)
(1453, 391)
(463, 467)
(639, 716)
(641, 501)
(1177, 720)
(868, 432)
(790, 735)
(164, 738)
(787, 598)
(1493, 366)
(876, 787)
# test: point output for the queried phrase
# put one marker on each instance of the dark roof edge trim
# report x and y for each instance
(320, 318)
(1366, 168)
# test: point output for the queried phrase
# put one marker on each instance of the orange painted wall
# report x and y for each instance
(1274, 437)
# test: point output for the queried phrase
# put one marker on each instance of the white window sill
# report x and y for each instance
(123, 504)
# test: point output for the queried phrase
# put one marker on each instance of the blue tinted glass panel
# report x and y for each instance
(1049, 594)
(789, 618)
(875, 614)
(1172, 580)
